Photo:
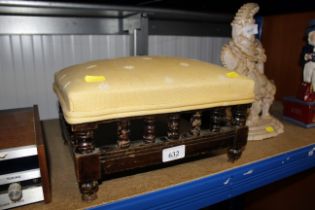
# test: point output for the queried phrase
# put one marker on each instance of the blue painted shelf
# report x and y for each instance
(221, 186)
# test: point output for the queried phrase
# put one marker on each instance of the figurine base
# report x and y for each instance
(299, 112)
(265, 128)
(294, 121)
(305, 92)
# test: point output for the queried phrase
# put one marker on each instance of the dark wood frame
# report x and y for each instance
(42, 157)
(226, 130)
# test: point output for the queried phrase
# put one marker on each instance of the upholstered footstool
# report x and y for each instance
(157, 110)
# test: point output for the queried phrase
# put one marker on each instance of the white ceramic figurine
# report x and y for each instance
(245, 55)
(309, 56)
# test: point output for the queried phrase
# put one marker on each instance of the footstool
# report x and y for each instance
(159, 109)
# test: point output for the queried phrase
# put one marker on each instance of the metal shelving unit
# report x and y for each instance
(223, 185)
(33, 17)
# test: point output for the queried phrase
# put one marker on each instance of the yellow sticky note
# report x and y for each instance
(93, 78)
(232, 74)
(269, 129)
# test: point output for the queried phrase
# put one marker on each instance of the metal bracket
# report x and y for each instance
(137, 26)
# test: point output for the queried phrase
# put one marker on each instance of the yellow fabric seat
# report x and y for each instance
(143, 85)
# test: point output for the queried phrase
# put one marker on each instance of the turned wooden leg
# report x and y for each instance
(87, 160)
(239, 114)
(88, 190)
(123, 133)
(195, 121)
(173, 127)
(238, 144)
(88, 172)
(217, 118)
(149, 130)
(234, 154)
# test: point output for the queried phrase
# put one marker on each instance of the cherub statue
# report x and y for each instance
(245, 55)
(309, 62)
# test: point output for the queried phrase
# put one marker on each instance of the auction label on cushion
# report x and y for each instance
(173, 153)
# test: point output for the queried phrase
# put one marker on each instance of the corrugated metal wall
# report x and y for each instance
(202, 48)
(28, 62)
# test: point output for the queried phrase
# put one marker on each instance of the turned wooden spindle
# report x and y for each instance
(123, 133)
(239, 114)
(173, 127)
(195, 121)
(84, 141)
(149, 129)
(217, 118)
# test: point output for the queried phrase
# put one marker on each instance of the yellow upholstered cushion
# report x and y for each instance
(137, 86)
